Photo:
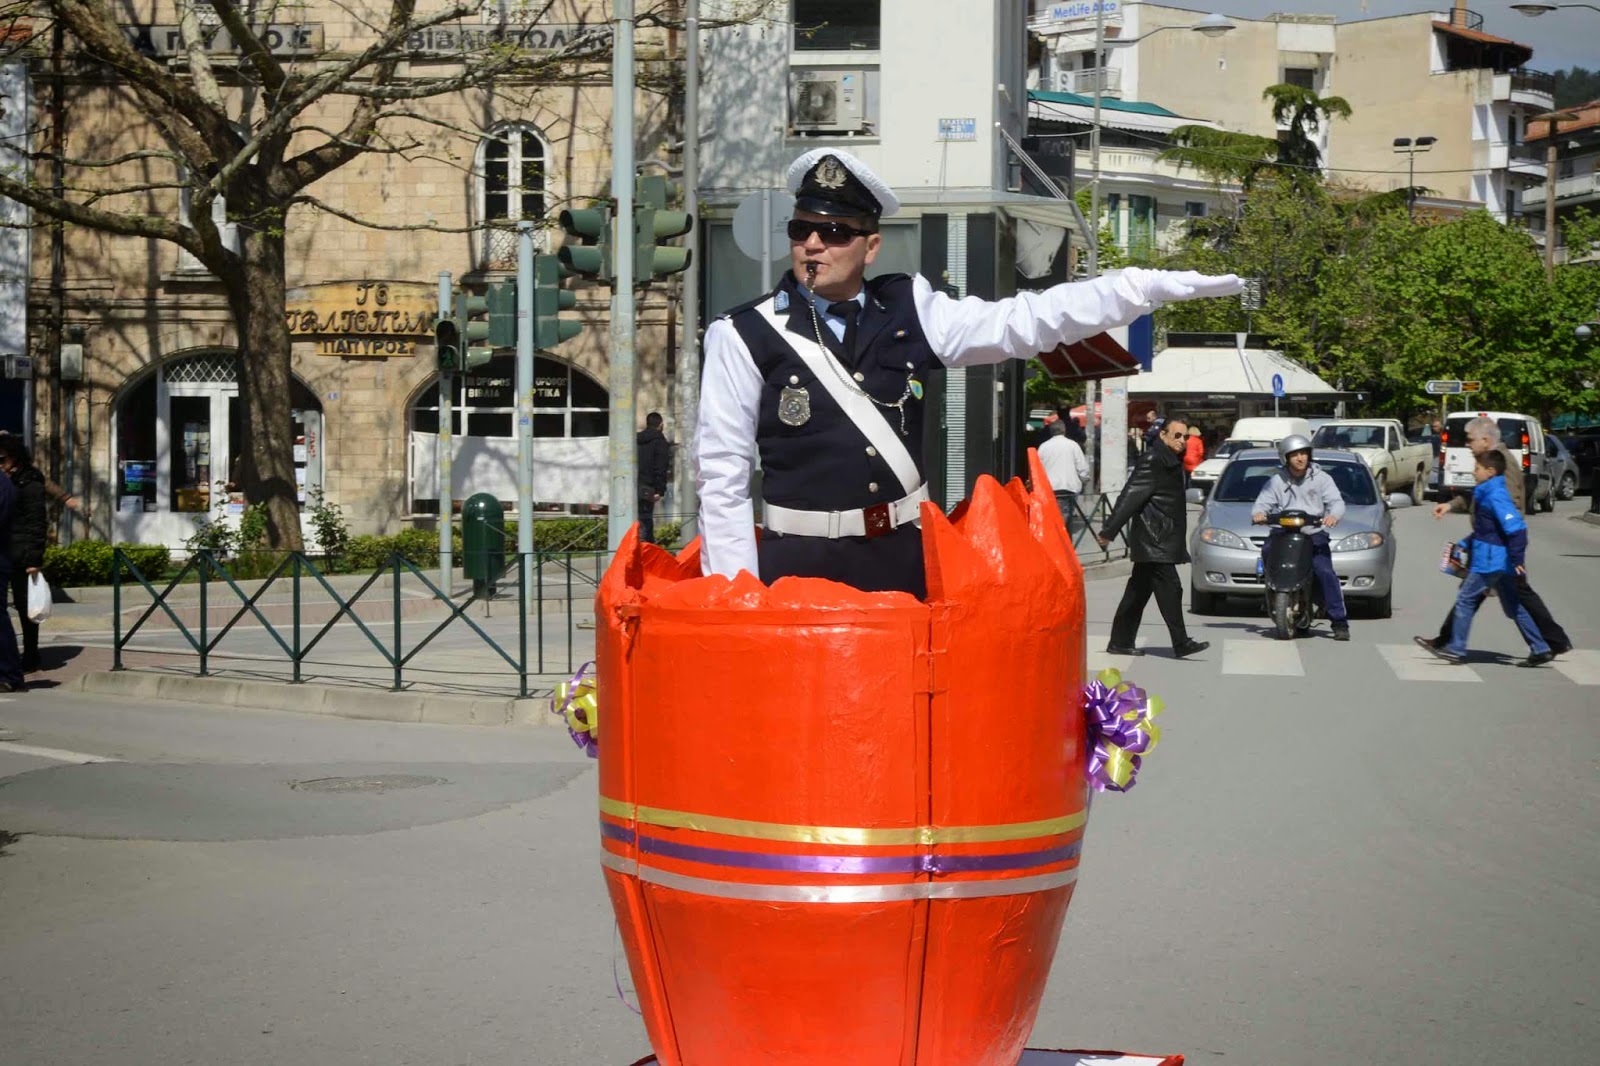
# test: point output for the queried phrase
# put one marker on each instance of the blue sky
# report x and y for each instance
(1560, 39)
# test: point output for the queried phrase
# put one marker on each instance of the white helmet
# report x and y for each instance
(1294, 442)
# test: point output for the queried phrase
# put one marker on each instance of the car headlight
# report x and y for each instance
(1223, 539)
(1358, 542)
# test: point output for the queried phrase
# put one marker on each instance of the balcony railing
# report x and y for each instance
(1579, 185)
(1108, 79)
(1533, 81)
(1529, 153)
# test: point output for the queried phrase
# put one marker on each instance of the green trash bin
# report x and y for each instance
(483, 545)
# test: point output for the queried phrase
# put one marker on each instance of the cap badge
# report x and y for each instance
(831, 173)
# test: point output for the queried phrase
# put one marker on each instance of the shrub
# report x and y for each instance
(89, 562)
(327, 520)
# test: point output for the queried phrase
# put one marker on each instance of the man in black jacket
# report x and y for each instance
(10, 665)
(1152, 505)
(655, 469)
(29, 536)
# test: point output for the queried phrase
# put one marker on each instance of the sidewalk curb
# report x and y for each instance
(312, 698)
(1105, 571)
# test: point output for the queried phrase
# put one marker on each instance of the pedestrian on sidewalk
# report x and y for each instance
(29, 535)
(1067, 469)
(10, 663)
(1194, 453)
(1498, 547)
(1483, 435)
(1152, 507)
(655, 469)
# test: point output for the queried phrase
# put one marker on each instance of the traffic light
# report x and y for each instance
(549, 300)
(653, 223)
(447, 345)
(503, 315)
(592, 258)
(472, 324)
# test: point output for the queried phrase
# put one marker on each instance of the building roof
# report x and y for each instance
(1478, 36)
(1118, 114)
(1227, 372)
(1583, 117)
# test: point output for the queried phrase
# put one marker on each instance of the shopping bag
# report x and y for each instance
(39, 599)
(1457, 558)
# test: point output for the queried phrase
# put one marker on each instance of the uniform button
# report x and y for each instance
(794, 379)
(860, 376)
(872, 487)
(871, 450)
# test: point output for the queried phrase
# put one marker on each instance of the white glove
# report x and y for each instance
(1168, 286)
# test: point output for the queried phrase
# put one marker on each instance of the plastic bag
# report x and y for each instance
(39, 599)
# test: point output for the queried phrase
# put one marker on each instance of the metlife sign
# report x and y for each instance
(1083, 9)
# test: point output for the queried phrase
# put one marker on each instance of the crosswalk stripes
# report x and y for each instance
(1580, 667)
(1269, 658)
(1411, 663)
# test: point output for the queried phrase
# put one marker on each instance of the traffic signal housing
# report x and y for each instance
(447, 344)
(472, 324)
(593, 257)
(503, 315)
(549, 300)
(652, 224)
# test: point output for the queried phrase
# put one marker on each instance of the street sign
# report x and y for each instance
(1444, 388)
(1472, 386)
(1277, 385)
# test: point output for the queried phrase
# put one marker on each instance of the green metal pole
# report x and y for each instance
(116, 611)
(522, 626)
(297, 652)
(394, 562)
(205, 573)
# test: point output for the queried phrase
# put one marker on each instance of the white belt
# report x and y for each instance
(872, 521)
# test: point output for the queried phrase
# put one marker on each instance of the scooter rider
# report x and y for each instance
(1301, 485)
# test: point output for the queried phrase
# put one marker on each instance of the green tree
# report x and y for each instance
(1241, 158)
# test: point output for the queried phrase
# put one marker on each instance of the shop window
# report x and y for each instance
(228, 231)
(1301, 77)
(836, 25)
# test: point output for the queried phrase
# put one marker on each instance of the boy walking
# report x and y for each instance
(1499, 546)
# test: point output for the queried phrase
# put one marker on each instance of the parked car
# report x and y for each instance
(1225, 546)
(1585, 450)
(1205, 475)
(1522, 434)
(1563, 467)
(1381, 443)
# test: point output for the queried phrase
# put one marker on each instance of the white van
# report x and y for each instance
(1269, 429)
(1522, 434)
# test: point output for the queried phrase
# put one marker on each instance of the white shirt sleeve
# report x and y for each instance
(1081, 461)
(972, 331)
(725, 449)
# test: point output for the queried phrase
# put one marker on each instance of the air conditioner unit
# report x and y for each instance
(828, 100)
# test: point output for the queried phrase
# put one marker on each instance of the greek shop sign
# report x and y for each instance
(453, 40)
(381, 319)
(164, 42)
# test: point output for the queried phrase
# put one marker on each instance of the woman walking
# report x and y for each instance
(28, 536)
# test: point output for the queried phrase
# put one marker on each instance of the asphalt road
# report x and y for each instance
(1340, 854)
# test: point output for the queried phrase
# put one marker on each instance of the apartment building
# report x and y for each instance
(149, 417)
(1429, 74)
(932, 94)
(1575, 182)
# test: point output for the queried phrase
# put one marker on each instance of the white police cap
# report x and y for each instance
(831, 181)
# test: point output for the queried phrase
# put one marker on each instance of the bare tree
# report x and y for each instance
(259, 129)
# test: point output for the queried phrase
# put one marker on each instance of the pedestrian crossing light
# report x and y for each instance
(447, 345)
(653, 223)
(593, 257)
(549, 300)
(503, 315)
(472, 325)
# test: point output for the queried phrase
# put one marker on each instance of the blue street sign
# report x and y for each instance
(1277, 385)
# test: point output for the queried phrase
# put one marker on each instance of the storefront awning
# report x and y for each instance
(1117, 114)
(1095, 357)
(1228, 373)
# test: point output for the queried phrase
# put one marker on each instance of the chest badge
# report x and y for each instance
(794, 406)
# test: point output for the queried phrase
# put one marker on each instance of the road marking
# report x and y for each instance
(1580, 667)
(1100, 659)
(1411, 663)
(57, 754)
(1262, 657)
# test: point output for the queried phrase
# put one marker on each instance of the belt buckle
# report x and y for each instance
(877, 520)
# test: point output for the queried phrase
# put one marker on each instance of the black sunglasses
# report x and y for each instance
(833, 234)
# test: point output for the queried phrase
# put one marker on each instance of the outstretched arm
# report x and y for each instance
(972, 332)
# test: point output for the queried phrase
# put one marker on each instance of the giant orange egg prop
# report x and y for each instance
(843, 827)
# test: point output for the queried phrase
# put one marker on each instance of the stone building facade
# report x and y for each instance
(151, 431)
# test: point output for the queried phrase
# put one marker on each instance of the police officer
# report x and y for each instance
(1301, 485)
(823, 381)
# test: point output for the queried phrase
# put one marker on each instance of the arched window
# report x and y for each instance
(511, 187)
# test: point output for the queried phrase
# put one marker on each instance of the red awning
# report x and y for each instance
(1099, 356)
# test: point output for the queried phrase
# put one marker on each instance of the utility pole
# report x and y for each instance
(443, 445)
(688, 501)
(624, 457)
(525, 404)
(1550, 207)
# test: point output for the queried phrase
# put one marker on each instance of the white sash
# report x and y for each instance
(867, 416)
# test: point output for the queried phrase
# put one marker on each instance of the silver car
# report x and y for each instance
(1226, 547)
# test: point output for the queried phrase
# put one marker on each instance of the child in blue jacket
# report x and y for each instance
(1499, 546)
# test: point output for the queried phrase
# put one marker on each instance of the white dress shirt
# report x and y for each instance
(966, 332)
(1064, 464)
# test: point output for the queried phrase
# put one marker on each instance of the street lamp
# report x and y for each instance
(1411, 147)
(1533, 11)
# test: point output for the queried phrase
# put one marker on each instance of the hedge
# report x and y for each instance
(89, 562)
(367, 553)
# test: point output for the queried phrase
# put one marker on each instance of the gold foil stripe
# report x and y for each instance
(842, 835)
(915, 890)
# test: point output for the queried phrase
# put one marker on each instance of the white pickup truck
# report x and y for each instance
(1397, 465)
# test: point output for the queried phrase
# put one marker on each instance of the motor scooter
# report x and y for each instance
(1286, 571)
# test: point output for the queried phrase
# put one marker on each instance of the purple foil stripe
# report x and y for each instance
(926, 863)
